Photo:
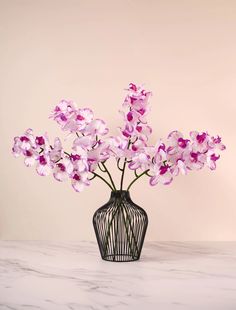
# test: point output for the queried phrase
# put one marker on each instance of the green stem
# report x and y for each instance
(102, 169)
(99, 176)
(123, 169)
(118, 162)
(93, 177)
(110, 177)
(139, 176)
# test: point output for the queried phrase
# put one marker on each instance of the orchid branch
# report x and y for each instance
(139, 176)
(99, 176)
(102, 169)
(93, 177)
(67, 153)
(110, 177)
(118, 164)
(123, 170)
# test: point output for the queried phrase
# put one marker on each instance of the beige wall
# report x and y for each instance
(184, 51)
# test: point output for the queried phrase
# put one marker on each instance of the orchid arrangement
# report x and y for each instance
(92, 146)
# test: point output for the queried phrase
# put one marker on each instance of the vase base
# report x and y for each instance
(120, 258)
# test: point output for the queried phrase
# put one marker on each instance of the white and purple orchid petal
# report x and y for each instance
(166, 179)
(201, 137)
(193, 134)
(56, 153)
(43, 170)
(154, 180)
(25, 143)
(29, 161)
(134, 165)
(83, 142)
(68, 165)
(211, 164)
(60, 176)
(40, 140)
(182, 167)
(79, 181)
(84, 115)
(183, 143)
(175, 135)
(96, 127)
(78, 186)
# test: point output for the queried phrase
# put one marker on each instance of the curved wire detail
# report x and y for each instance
(120, 227)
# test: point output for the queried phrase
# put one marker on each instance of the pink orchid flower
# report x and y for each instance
(78, 121)
(56, 152)
(24, 143)
(44, 165)
(92, 147)
(63, 112)
(161, 174)
(63, 169)
(97, 127)
(79, 181)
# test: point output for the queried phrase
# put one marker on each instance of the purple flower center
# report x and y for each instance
(76, 177)
(132, 86)
(141, 111)
(182, 142)
(163, 169)
(217, 140)
(40, 140)
(134, 148)
(42, 160)
(139, 128)
(125, 133)
(214, 157)
(132, 99)
(194, 156)
(79, 117)
(61, 167)
(75, 157)
(201, 137)
(161, 147)
(28, 153)
(129, 116)
(63, 117)
(24, 139)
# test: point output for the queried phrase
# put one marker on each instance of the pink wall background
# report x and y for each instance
(184, 51)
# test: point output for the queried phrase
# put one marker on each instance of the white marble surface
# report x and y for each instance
(71, 276)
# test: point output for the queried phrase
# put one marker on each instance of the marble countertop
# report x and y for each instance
(71, 276)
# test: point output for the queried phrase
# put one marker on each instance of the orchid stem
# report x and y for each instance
(139, 176)
(123, 169)
(102, 169)
(99, 176)
(118, 164)
(110, 177)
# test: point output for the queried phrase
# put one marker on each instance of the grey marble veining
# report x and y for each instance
(37, 275)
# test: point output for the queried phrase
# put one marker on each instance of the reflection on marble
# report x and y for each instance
(71, 276)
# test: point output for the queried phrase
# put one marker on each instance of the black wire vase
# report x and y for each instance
(120, 227)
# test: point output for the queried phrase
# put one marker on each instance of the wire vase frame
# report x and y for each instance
(120, 227)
